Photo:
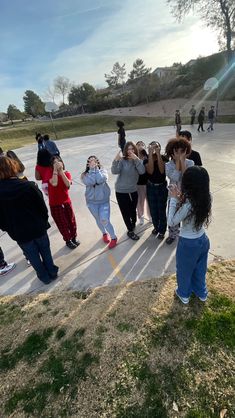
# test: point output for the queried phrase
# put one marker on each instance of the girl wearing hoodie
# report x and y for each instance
(98, 198)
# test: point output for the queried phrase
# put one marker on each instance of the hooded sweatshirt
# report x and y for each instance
(97, 189)
(23, 212)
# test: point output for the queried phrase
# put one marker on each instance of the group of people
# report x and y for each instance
(173, 186)
(201, 119)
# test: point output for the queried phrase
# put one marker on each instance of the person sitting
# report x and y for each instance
(194, 155)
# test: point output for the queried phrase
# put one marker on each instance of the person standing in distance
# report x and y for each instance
(192, 113)
(201, 119)
(121, 134)
(211, 119)
(177, 121)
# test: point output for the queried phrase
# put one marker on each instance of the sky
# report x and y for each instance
(82, 40)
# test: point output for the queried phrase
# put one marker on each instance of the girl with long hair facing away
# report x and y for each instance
(177, 150)
(128, 168)
(60, 202)
(192, 207)
(98, 198)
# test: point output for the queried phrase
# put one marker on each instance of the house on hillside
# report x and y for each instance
(166, 72)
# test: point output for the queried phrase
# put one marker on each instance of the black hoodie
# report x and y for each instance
(23, 212)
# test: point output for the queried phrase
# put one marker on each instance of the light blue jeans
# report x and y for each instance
(101, 213)
(191, 266)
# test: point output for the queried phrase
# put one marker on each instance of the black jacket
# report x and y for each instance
(23, 212)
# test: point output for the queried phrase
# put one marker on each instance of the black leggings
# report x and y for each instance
(127, 203)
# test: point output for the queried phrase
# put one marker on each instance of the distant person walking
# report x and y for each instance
(39, 139)
(128, 168)
(211, 119)
(177, 121)
(50, 145)
(201, 119)
(24, 216)
(192, 207)
(98, 198)
(121, 134)
(192, 113)
(4, 266)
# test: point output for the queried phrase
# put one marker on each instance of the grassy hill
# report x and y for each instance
(130, 351)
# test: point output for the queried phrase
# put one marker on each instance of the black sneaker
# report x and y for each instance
(169, 240)
(133, 236)
(71, 245)
(76, 242)
(161, 236)
(154, 231)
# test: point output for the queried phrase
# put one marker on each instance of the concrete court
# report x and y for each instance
(92, 264)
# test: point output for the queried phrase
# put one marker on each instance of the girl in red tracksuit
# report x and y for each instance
(60, 202)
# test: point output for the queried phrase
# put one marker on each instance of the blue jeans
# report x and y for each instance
(38, 252)
(191, 266)
(101, 213)
(157, 200)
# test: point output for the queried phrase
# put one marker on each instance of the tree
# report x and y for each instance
(139, 70)
(50, 93)
(33, 105)
(117, 75)
(79, 95)
(62, 86)
(219, 14)
(13, 113)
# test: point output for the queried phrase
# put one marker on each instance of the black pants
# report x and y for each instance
(192, 119)
(200, 125)
(127, 203)
(2, 261)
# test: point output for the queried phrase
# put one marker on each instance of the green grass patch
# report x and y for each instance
(216, 324)
(9, 312)
(34, 345)
(125, 327)
(22, 134)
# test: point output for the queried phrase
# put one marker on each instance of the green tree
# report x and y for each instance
(13, 113)
(219, 14)
(139, 70)
(62, 86)
(33, 105)
(117, 75)
(79, 95)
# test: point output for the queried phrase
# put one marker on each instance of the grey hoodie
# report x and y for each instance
(128, 174)
(97, 189)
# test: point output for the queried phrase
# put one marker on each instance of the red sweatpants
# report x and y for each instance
(64, 218)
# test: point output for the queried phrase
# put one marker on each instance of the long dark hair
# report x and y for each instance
(58, 158)
(87, 163)
(196, 188)
(127, 145)
(44, 158)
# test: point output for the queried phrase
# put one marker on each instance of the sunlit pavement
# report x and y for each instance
(92, 264)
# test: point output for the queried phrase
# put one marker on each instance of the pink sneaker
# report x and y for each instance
(113, 243)
(106, 238)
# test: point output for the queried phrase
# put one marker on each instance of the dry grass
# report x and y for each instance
(126, 351)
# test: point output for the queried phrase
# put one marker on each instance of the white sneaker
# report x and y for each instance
(185, 301)
(203, 299)
(142, 220)
(7, 269)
